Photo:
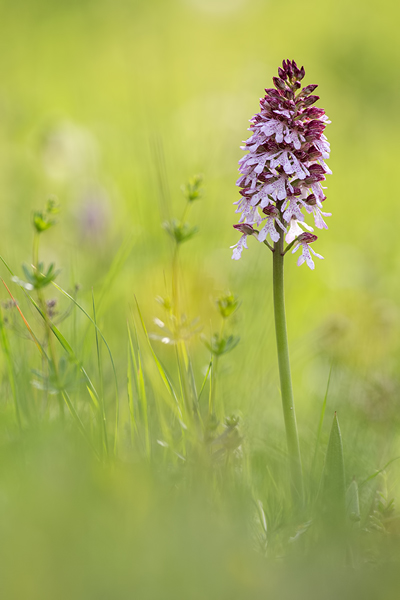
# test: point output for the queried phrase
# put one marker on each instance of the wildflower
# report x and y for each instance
(283, 170)
(295, 230)
(269, 228)
(304, 240)
(238, 248)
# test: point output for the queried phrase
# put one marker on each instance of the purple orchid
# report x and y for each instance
(283, 171)
(304, 240)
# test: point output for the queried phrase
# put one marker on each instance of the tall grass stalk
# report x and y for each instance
(102, 412)
(10, 368)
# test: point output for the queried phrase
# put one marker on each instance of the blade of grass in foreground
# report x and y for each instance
(60, 289)
(205, 378)
(64, 394)
(140, 387)
(378, 472)
(78, 421)
(321, 422)
(101, 395)
(175, 406)
(66, 347)
(10, 368)
(134, 428)
(334, 490)
(54, 329)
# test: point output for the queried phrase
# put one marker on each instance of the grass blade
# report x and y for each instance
(102, 413)
(175, 406)
(320, 424)
(10, 369)
(334, 492)
(205, 378)
(140, 387)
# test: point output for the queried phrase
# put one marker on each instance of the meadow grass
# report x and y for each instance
(123, 485)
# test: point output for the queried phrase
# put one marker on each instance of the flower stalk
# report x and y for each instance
(289, 413)
(280, 185)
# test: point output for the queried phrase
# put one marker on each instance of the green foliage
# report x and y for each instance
(219, 345)
(44, 219)
(353, 502)
(193, 189)
(180, 232)
(37, 278)
(334, 491)
(227, 304)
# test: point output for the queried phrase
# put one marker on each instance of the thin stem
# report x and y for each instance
(289, 247)
(284, 373)
(42, 304)
(269, 245)
(214, 374)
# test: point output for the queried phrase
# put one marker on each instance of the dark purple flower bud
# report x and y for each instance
(301, 155)
(296, 191)
(244, 228)
(297, 85)
(289, 69)
(314, 112)
(316, 126)
(282, 73)
(274, 103)
(311, 200)
(301, 73)
(273, 93)
(271, 211)
(307, 90)
(264, 177)
(313, 153)
(316, 169)
(279, 84)
(289, 94)
(296, 69)
(312, 137)
(288, 104)
(307, 238)
(246, 192)
(310, 100)
(313, 179)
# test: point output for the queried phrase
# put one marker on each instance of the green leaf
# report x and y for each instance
(353, 502)
(192, 190)
(174, 405)
(180, 232)
(219, 345)
(334, 492)
(43, 219)
(227, 304)
(320, 424)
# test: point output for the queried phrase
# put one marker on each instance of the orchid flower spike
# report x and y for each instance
(283, 170)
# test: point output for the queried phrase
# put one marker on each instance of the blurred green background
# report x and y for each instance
(111, 104)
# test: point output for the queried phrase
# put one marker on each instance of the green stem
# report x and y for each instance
(50, 342)
(284, 373)
(214, 374)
